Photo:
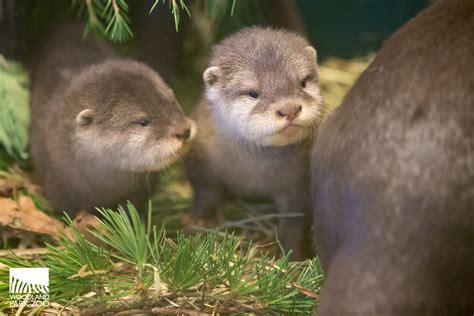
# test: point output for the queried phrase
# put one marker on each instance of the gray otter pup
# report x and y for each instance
(393, 176)
(101, 126)
(255, 125)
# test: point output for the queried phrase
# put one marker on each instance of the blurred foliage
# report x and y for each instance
(5, 159)
(14, 110)
(215, 9)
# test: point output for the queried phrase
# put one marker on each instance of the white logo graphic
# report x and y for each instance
(29, 280)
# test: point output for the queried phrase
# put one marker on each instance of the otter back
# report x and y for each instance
(392, 176)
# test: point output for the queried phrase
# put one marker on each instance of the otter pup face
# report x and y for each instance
(263, 85)
(129, 117)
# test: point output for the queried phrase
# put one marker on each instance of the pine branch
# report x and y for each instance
(175, 6)
(110, 17)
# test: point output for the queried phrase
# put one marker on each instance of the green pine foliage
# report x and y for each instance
(14, 110)
(131, 263)
(176, 6)
(110, 17)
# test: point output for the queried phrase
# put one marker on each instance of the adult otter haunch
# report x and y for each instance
(393, 176)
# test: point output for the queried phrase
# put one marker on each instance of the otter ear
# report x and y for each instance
(211, 75)
(312, 52)
(85, 117)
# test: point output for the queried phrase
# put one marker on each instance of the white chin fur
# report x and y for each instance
(279, 140)
(135, 154)
(162, 154)
(237, 121)
(158, 156)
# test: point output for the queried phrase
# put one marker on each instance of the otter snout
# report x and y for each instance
(289, 111)
(184, 134)
(184, 131)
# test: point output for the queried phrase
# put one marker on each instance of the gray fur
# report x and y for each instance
(101, 157)
(226, 159)
(393, 176)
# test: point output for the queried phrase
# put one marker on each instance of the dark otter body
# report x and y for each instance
(393, 176)
(101, 126)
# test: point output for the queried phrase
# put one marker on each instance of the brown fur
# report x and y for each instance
(393, 176)
(231, 155)
(104, 156)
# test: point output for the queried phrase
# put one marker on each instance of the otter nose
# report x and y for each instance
(289, 112)
(184, 134)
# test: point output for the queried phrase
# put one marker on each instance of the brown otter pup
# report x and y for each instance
(393, 176)
(255, 126)
(101, 126)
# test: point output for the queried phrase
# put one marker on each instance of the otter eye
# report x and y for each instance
(304, 82)
(142, 122)
(253, 94)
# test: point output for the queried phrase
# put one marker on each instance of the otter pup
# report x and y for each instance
(261, 107)
(393, 176)
(101, 126)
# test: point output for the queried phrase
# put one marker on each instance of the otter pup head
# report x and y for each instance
(123, 113)
(263, 86)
